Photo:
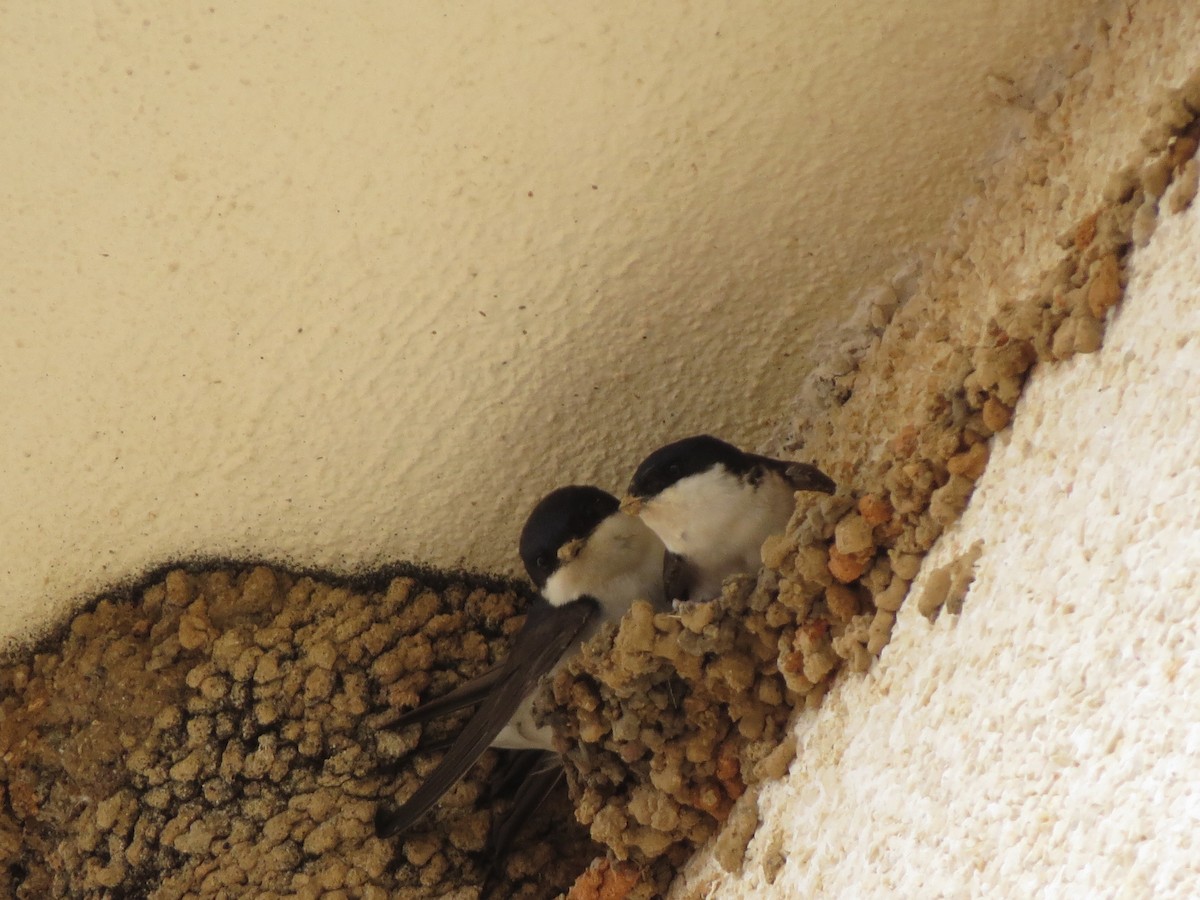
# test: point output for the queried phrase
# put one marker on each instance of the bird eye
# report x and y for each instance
(543, 561)
(673, 469)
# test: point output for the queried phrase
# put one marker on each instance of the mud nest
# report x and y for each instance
(226, 734)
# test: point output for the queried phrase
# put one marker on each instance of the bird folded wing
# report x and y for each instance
(548, 632)
(469, 693)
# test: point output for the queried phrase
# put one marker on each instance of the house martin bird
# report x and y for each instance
(589, 562)
(713, 505)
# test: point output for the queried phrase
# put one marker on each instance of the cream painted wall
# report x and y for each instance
(341, 284)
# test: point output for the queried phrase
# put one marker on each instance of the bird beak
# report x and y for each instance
(631, 505)
(569, 550)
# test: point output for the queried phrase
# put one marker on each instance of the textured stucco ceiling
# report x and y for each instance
(356, 283)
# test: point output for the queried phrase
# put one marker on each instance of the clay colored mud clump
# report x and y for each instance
(226, 734)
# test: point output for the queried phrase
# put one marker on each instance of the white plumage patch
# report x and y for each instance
(621, 561)
(718, 522)
(522, 733)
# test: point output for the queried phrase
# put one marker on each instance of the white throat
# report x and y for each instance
(718, 522)
(622, 561)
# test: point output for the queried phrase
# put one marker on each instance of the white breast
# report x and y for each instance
(522, 733)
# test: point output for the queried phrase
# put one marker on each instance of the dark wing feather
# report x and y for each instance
(469, 693)
(805, 477)
(548, 632)
(514, 768)
(534, 789)
(801, 476)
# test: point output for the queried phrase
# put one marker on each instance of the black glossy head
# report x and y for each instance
(677, 461)
(567, 514)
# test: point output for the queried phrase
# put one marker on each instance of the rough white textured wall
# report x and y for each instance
(1045, 742)
(357, 283)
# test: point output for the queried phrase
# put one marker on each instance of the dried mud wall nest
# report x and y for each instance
(225, 734)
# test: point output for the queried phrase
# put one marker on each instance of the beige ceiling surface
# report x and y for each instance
(354, 283)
